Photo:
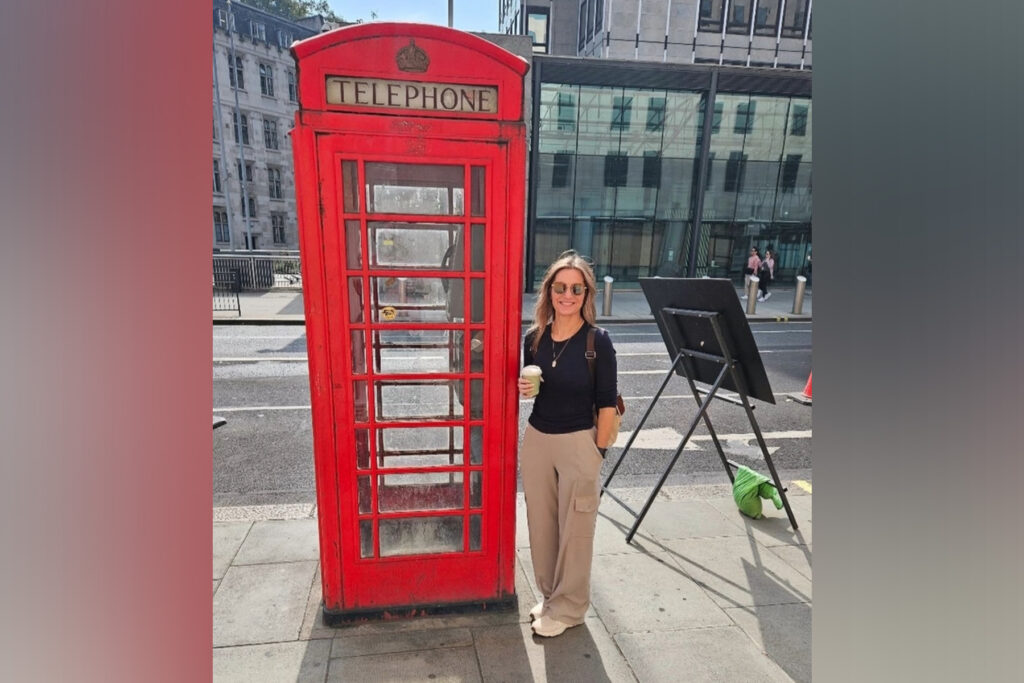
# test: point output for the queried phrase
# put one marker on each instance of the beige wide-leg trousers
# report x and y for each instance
(560, 479)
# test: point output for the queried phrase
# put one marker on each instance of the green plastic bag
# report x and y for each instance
(749, 488)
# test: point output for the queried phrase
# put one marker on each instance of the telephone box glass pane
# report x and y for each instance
(355, 300)
(360, 401)
(477, 248)
(362, 449)
(476, 489)
(419, 400)
(477, 392)
(423, 491)
(358, 352)
(364, 495)
(423, 189)
(477, 300)
(422, 535)
(366, 538)
(420, 447)
(353, 245)
(476, 445)
(412, 245)
(414, 299)
(474, 532)
(415, 351)
(477, 177)
(350, 186)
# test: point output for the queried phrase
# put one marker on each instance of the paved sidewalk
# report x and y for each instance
(702, 594)
(278, 306)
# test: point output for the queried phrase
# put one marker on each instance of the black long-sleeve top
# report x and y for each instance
(567, 395)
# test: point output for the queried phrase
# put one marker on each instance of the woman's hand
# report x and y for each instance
(525, 388)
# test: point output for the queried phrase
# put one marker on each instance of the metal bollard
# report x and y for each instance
(752, 295)
(606, 309)
(798, 298)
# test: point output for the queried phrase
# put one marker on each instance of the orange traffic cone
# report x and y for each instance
(805, 396)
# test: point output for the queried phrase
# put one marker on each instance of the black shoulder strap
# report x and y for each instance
(591, 354)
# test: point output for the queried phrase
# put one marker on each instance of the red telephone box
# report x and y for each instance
(409, 163)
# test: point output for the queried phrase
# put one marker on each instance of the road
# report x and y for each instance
(264, 455)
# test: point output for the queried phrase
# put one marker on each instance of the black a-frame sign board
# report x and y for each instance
(709, 341)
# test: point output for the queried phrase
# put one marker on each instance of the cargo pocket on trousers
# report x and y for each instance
(585, 511)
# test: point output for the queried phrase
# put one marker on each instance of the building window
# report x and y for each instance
(744, 117)
(616, 169)
(537, 28)
(790, 168)
(716, 119)
(216, 177)
(267, 79)
(652, 169)
(621, 112)
(739, 17)
(258, 31)
(708, 176)
(235, 73)
(248, 171)
(291, 87)
(560, 169)
(766, 18)
(566, 111)
(274, 183)
(598, 16)
(223, 19)
(284, 39)
(270, 133)
(794, 19)
(277, 222)
(655, 113)
(590, 19)
(799, 125)
(734, 170)
(583, 26)
(252, 207)
(220, 226)
(245, 129)
(710, 18)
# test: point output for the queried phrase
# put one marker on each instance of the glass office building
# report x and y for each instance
(630, 160)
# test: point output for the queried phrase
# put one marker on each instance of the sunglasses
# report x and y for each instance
(560, 287)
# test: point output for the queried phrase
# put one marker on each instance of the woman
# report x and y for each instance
(753, 263)
(562, 451)
(766, 274)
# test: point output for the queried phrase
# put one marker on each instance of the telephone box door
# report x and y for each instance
(414, 230)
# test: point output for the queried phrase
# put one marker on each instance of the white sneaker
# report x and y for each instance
(766, 296)
(536, 611)
(760, 298)
(549, 628)
(744, 296)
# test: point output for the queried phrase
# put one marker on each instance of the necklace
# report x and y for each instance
(565, 345)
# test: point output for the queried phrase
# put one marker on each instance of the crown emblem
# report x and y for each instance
(412, 58)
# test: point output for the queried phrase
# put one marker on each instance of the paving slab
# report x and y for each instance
(737, 572)
(227, 539)
(774, 529)
(613, 523)
(783, 632)
(448, 665)
(583, 653)
(261, 603)
(686, 519)
(796, 556)
(271, 541)
(648, 592)
(348, 645)
(701, 655)
(216, 582)
(295, 661)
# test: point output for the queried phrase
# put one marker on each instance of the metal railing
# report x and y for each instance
(226, 287)
(267, 270)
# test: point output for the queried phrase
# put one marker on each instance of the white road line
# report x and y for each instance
(257, 409)
(280, 359)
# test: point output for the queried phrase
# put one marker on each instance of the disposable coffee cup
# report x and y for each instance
(532, 373)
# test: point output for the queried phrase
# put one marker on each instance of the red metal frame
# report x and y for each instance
(324, 137)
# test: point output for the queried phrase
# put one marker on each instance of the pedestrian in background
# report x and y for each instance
(562, 451)
(753, 263)
(765, 274)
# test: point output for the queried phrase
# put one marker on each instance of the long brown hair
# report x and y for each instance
(544, 312)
